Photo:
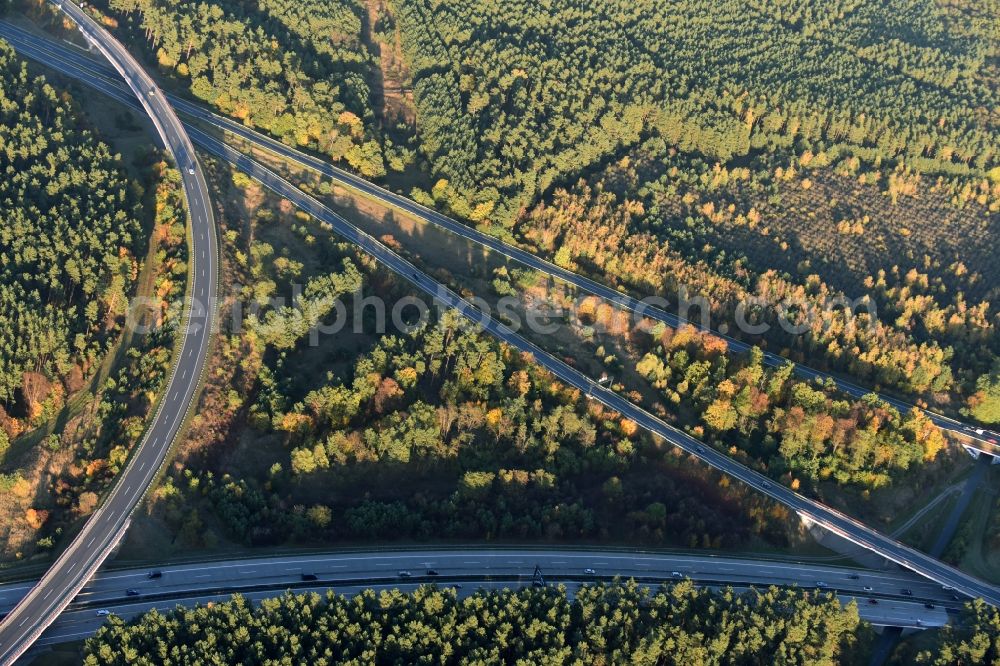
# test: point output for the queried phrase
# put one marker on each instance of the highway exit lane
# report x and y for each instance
(43, 602)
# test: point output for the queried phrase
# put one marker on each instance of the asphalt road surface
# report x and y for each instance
(80, 65)
(349, 572)
(808, 509)
(43, 603)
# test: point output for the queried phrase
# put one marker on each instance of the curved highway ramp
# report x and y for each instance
(102, 532)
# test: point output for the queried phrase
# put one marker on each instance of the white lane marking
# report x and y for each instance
(47, 594)
(142, 466)
(89, 543)
(184, 374)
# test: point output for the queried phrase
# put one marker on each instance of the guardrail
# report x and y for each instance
(142, 85)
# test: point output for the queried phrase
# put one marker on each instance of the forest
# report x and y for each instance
(618, 622)
(69, 235)
(811, 432)
(297, 70)
(604, 623)
(94, 444)
(854, 156)
(439, 432)
(753, 172)
(516, 98)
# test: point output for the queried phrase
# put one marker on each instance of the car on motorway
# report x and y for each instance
(404, 574)
(306, 577)
(854, 577)
(154, 574)
(103, 612)
(701, 449)
(191, 170)
(867, 588)
(873, 602)
(676, 574)
(906, 592)
(152, 92)
(821, 583)
(590, 572)
(766, 485)
(432, 572)
(929, 606)
(131, 592)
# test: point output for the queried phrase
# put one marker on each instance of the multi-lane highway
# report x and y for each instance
(901, 597)
(808, 509)
(116, 509)
(44, 601)
(94, 72)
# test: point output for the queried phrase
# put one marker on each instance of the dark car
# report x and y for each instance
(929, 606)
(131, 592)
(154, 574)
(431, 572)
(854, 576)
(873, 602)
(908, 593)
(307, 577)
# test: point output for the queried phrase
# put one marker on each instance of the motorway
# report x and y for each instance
(91, 71)
(808, 509)
(348, 572)
(120, 505)
(78, 562)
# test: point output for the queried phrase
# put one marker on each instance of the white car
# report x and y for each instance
(191, 170)
(867, 588)
(103, 612)
(590, 572)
